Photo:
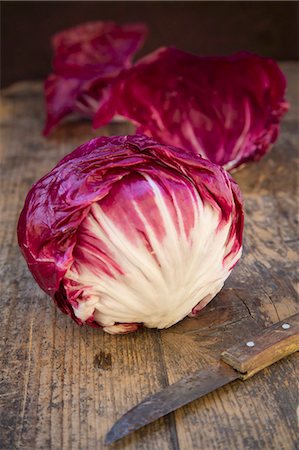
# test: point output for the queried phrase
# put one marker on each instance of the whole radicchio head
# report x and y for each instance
(125, 231)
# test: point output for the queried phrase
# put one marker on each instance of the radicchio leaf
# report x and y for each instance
(226, 109)
(86, 59)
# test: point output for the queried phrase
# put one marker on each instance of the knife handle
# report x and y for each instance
(258, 352)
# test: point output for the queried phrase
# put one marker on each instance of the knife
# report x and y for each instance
(241, 361)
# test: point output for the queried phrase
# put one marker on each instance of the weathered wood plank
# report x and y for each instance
(63, 386)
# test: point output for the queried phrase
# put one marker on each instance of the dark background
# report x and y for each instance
(268, 28)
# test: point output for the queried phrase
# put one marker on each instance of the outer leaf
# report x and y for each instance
(225, 108)
(86, 59)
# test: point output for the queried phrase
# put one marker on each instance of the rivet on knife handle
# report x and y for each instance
(273, 344)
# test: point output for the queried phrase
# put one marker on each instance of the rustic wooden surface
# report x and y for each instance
(62, 386)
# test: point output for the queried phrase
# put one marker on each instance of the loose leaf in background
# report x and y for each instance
(86, 59)
(226, 109)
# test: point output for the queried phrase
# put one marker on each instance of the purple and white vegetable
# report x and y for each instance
(86, 59)
(126, 232)
(226, 109)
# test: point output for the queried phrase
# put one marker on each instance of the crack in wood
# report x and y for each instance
(273, 303)
(26, 382)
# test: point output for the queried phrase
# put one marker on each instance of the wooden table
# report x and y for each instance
(63, 386)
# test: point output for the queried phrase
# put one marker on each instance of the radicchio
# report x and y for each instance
(226, 109)
(125, 231)
(86, 59)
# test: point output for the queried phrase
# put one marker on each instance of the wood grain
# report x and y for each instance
(62, 386)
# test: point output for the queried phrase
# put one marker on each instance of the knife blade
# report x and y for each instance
(171, 398)
(239, 362)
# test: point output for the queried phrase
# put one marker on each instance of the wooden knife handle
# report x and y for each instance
(271, 345)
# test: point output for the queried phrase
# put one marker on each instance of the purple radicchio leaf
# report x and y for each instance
(226, 109)
(86, 59)
(125, 231)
